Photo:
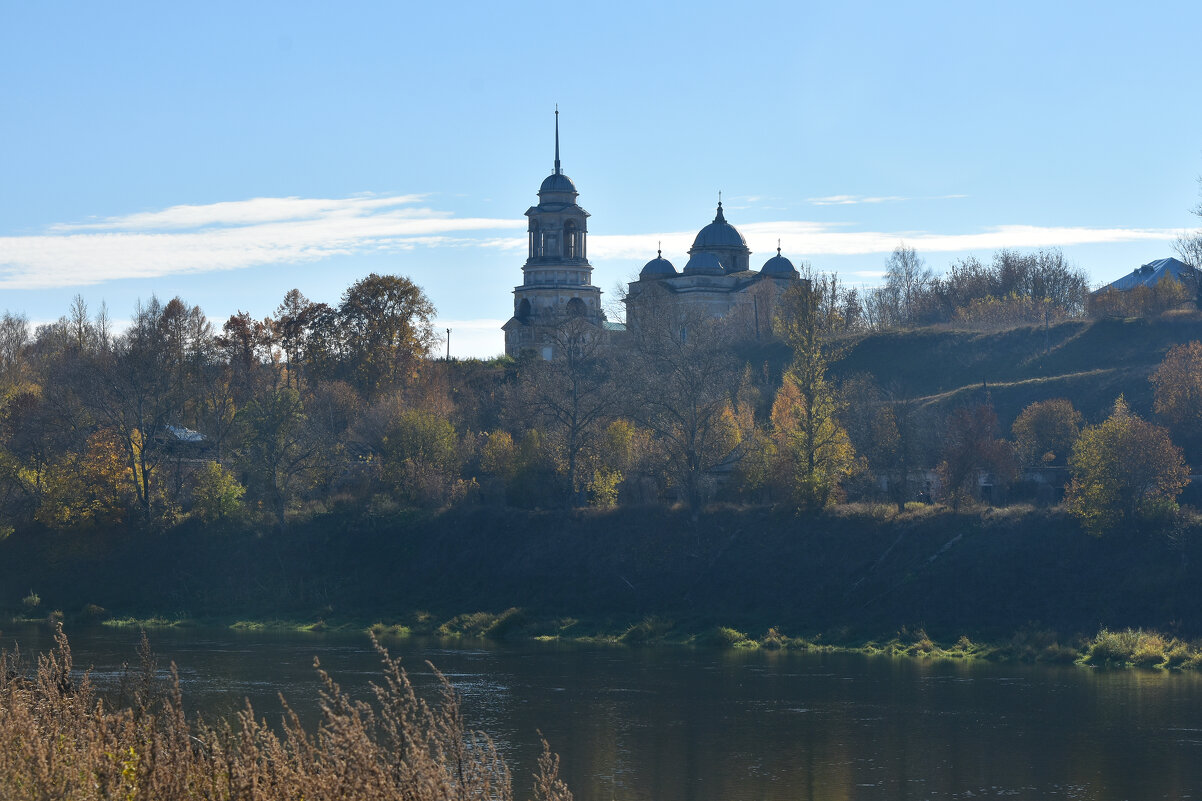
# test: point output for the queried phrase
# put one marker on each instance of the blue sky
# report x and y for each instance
(228, 152)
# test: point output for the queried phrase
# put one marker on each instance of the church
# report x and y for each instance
(557, 284)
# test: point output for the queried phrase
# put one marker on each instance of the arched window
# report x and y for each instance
(536, 240)
(570, 245)
(523, 309)
(576, 307)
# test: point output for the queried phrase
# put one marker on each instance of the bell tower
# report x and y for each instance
(557, 277)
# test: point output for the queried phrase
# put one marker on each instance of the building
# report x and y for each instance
(1152, 273)
(557, 277)
(716, 280)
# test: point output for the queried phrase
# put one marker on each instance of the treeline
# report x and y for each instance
(324, 406)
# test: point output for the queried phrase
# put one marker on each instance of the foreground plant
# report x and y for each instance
(60, 740)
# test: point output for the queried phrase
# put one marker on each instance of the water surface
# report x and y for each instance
(677, 724)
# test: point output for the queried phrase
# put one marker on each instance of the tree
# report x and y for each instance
(421, 456)
(1046, 431)
(217, 495)
(276, 449)
(681, 382)
(293, 320)
(1189, 245)
(385, 325)
(972, 445)
(571, 394)
(1124, 469)
(813, 452)
(810, 442)
(907, 279)
(1178, 385)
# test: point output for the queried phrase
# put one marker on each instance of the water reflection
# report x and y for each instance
(681, 725)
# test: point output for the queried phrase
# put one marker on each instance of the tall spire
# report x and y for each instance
(558, 171)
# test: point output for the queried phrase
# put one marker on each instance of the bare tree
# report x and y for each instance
(681, 382)
(573, 393)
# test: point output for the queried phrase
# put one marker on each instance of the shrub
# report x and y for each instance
(395, 746)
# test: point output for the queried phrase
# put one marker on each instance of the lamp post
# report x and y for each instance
(448, 344)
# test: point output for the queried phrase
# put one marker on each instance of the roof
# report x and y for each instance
(557, 182)
(657, 268)
(1152, 273)
(719, 234)
(612, 326)
(704, 264)
(779, 266)
(182, 434)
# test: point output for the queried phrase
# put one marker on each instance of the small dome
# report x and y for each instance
(779, 267)
(558, 182)
(704, 264)
(659, 267)
(720, 234)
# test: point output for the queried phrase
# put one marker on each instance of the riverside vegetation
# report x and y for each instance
(321, 465)
(62, 740)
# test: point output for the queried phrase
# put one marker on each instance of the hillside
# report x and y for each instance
(1090, 362)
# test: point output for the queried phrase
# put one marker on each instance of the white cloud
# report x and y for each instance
(229, 236)
(262, 231)
(802, 239)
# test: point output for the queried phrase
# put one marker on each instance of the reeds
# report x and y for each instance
(59, 739)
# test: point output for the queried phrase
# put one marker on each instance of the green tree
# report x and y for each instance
(1124, 469)
(217, 495)
(276, 449)
(421, 456)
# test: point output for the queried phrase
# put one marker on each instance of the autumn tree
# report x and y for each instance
(1124, 469)
(972, 446)
(1178, 386)
(385, 327)
(1045, 432)
(810, 441)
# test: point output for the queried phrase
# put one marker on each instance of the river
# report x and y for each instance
(679, 724)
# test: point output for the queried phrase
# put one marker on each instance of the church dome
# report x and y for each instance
(779, 267)
(719, 234)
(558, 182)
(704, 264)
(659, 267)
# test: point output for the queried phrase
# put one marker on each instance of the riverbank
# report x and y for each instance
(1027, 582)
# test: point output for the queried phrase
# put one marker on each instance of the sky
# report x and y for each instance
(226, 153)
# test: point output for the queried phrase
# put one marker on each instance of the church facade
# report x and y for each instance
(557, 284)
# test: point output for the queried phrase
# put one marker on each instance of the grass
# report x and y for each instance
(141, 744)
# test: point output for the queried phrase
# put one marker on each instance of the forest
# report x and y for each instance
(261, 423)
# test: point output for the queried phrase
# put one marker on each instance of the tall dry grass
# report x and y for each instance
(59, 739)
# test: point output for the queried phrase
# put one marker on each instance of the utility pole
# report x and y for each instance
(448, 344)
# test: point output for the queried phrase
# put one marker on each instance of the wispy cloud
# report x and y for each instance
(229, 236)
(807, 239)
(854, 200)
(264, 231)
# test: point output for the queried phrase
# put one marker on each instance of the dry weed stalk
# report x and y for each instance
(60, 740)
